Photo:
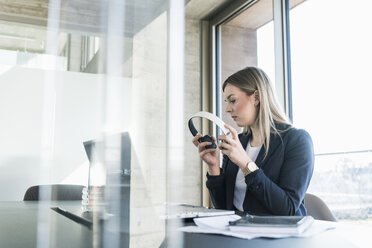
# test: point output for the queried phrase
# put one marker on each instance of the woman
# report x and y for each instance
(266, 169)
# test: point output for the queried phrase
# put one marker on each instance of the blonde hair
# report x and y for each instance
(269, 112)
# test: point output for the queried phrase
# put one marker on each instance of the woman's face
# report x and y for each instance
(240, 106)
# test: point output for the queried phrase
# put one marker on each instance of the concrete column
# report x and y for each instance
(74, 58)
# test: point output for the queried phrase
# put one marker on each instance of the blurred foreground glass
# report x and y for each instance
(84, 70)
(140, 95)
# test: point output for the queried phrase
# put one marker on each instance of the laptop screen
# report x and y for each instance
(113, 155)
(110, 177)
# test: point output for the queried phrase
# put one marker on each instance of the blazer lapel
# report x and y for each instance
(244, 140)
(275, 142)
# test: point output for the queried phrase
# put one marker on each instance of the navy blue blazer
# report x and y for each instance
(280, 184)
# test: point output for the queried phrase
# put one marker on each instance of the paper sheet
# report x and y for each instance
(216, 222)
(219, 225)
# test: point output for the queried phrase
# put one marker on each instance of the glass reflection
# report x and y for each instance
(74, 71)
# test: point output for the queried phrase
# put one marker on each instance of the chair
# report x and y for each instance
(59, 192)
(317, 208)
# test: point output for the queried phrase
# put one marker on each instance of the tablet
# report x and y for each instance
(272, 224)
(274, 221)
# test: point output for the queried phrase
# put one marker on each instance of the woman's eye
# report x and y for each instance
(232, 101)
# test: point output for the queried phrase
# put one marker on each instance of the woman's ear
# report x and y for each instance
(256, 98)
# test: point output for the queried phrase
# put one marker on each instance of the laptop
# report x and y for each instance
(117, 152)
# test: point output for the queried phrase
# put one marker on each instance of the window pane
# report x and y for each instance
(247, 40)
(331, 83)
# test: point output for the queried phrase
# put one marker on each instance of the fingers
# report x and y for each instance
(226, 139)
(225, 152)
(203, 150)
(195, 139)
(223, 146)
(234, 133)
(202, 153)
(202, 146)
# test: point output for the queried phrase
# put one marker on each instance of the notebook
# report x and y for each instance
(272, 224)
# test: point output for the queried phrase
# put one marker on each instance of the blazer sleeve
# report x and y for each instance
(217, 188)
(285, 197)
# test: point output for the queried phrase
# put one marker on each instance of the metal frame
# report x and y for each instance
(283, 55)
(205, 101)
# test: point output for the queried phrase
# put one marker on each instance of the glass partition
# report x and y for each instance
(104, 71)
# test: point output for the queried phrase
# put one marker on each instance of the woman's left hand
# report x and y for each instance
(231, 147)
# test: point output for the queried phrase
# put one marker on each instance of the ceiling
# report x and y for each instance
(23, 23)
(83, 15)
(258, 14)
(26, 38)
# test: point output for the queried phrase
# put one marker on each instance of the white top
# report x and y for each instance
(240, 185)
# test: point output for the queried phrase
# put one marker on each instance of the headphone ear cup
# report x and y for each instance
(208, 138)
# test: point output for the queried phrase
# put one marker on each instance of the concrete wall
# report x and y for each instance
(238, 50)
(149, 131)
(74, 56)
(193, 168)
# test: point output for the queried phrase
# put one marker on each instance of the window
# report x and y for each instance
(245, 40)
(247, 35)
(331, 84)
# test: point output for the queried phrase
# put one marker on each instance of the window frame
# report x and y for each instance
(282, 53)
(210, 63)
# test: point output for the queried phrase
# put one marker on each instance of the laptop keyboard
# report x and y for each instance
(190, 211)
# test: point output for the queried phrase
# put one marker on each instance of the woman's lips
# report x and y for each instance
(234, 117)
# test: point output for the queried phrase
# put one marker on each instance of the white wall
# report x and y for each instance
(78, 117)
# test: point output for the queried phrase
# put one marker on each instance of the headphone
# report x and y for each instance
(208, 138)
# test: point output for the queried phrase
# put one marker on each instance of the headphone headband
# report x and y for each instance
(210, 117)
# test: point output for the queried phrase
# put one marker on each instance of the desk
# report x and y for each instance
(19, 228)
(344, 236)
(328, 240)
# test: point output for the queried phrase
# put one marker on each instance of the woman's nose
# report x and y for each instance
(228, 108)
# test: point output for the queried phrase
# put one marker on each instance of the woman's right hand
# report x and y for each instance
(210, 156)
